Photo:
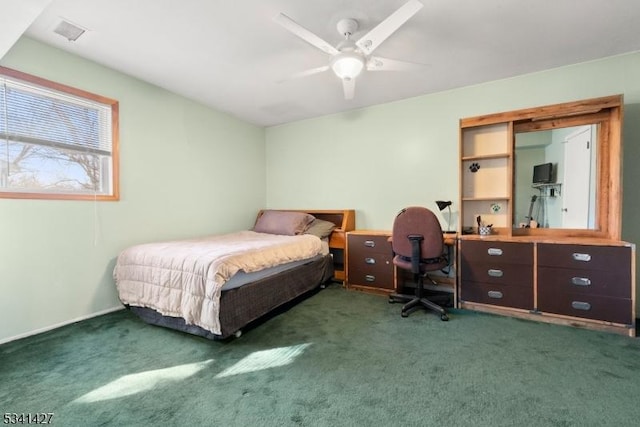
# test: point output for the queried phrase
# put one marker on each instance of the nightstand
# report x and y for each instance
(369, 261)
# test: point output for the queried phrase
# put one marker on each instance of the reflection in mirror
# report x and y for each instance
(566, 198)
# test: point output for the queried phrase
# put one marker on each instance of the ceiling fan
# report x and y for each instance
(349, 58)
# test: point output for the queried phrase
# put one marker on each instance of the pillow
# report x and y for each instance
(320, 228)
(283, 222)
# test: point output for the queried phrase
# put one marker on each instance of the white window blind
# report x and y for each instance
(54, 142)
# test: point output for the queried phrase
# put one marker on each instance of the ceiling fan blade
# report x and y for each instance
(304, 34)
(349, 88)
(305, 73)
(378, 63)
(370, 41)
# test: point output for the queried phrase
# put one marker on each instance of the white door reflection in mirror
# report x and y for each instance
(577, 206)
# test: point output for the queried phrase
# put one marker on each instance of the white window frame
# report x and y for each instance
(108, 148)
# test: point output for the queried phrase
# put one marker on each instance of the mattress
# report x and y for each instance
(243, 307)
(185, 278)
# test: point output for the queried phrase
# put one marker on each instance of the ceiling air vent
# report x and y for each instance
(68, 30)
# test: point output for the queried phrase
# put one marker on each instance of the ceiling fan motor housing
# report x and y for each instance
(347, 27)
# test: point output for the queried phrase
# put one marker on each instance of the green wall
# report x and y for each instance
(379, 159)
(185, 170)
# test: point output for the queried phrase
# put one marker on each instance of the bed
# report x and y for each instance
(217, 285)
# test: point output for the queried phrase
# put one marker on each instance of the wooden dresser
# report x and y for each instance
(370, 265)
(586, 281)
(564, 261)
(580, 282)
(498, 273)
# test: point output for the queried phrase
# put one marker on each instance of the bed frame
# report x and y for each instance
(246, 305)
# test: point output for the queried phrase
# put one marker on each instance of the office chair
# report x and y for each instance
(418, 246)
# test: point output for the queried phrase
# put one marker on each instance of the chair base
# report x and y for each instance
(415, 302)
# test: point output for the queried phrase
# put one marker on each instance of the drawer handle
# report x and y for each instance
(495, 273)
(370, 260)
(370, 278)
(494, 251)
(581, 257)
(581, 281)
(495, 294)
(370, 243)
(581, 305)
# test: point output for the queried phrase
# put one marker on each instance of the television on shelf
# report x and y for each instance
(543, 173)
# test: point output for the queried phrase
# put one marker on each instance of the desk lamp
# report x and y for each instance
(446, 204)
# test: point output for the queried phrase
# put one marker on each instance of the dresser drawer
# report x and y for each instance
(361, 244)
(496, 272)
(503, 252)
(617, 310)
(611, 283)
(584, 256)
(374, 277)
(497, 294)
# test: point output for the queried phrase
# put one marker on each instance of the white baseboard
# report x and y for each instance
(58, 325)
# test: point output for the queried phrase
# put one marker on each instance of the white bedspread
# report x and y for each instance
(184, 278)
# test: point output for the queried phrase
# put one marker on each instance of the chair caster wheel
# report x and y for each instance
(391, 301)
(403, 314)
(444, 317)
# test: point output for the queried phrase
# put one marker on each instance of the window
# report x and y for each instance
(56, 142)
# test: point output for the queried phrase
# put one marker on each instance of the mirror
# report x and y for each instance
(582, 197)
(555, 178)
(587, 197)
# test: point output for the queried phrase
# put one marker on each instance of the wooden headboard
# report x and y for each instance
(345, 220)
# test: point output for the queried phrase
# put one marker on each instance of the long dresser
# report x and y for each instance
(579, 282)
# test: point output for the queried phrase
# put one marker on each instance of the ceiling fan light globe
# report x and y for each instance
(347, 65)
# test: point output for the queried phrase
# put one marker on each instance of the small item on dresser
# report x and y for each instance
(484, 230)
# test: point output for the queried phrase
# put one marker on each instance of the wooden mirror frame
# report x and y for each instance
(606, 112)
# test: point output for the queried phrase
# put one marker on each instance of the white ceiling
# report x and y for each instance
(230, 55)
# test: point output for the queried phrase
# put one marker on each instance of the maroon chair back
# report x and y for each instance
(421, 221)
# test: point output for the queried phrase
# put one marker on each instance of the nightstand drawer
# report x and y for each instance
(497, 294)
(370, 262)
(376, 278)
(585, 257)
(494, 252)
(361, 244)
(613, 283)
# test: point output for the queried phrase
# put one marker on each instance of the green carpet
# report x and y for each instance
(338, 358)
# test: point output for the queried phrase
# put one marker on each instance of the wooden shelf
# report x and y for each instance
(485, 174)
(486, 199)
(485, 157)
